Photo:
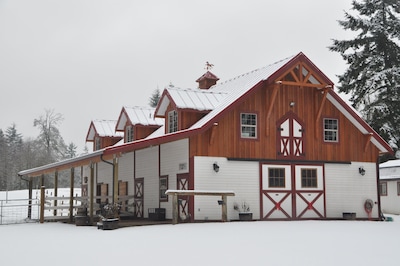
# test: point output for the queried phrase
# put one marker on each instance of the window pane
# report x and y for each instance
(248, 125)
(331, 130)
(309, 178)
(276, 177)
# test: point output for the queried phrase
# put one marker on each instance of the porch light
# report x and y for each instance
(361, 170)
(216, 167)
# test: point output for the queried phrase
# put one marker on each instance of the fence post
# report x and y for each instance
(42, 190)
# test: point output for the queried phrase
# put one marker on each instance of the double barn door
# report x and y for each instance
(292, 190)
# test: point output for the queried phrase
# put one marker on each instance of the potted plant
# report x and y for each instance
(244, 211)
(109, 217)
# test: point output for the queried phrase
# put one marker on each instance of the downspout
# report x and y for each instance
(380, 214)
(113, 173)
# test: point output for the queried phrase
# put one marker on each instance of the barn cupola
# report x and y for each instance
(208, 79)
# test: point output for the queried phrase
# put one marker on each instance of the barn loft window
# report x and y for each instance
(276, 177)
(172, 121)
(331, 130)
(383, 188)
(309, 178)
(163, 188)
(248, 124)
(97, 143)
(129, 134)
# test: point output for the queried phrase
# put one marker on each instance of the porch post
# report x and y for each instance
(224, 208)
(55, 192)
(30, 187)
(115, 180)
(71, 196)
(175, 208)
(91, 192)
(42, 200)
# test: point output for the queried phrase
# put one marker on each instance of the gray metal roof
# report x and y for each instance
(138, 115)
(104, 128)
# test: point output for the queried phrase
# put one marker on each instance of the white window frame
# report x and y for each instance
(129, 133)
(246, 128)
(333, 133)
(172, 121)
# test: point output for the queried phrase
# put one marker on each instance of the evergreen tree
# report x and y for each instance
(155, 97)
(71, 150)
(13, 157)
(3, 163)
(373, 58)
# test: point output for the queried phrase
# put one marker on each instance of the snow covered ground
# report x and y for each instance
(232, 243)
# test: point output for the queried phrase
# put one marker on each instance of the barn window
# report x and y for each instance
(308, 178)
(331, 128)
(172, 121)
(383, 188)
(97, 143)
(276, 177)
(248, 123)
(163, 188)
(129, 133)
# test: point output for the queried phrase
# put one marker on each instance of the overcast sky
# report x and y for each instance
(86, 59)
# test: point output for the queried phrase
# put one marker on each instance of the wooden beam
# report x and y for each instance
(304, 84)
(369, 136)
(321, 106)
(212, 134)
(271, 105)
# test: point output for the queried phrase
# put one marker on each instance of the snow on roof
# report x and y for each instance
(389, 177)
(103, 128)
(138, 115)
(237, 87)
(391, 163)
(202, 100)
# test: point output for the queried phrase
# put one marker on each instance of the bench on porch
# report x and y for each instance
(176, 193)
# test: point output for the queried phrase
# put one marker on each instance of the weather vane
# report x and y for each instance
(208, 66)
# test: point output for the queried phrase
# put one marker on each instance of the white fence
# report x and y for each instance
(14, 211)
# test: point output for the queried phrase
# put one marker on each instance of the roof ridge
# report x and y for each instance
(255, 70)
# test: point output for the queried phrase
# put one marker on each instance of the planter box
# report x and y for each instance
(108, 224)
(157, 214)
(248, 216)
(349, 215)
(82, 220)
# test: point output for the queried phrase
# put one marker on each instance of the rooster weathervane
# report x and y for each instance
(208, 66)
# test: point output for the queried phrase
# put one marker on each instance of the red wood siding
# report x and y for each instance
(226, 141)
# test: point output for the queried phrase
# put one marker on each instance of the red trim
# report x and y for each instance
(300, 57)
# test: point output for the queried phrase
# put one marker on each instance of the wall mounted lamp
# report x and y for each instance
(216, 167)
(361, 170)
(291, 104)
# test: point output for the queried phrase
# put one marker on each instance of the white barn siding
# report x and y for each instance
(174, 160)
(346, 190)
(241, 177)
(104, 174)
(125, 170)
(147, 168)
(391, 202)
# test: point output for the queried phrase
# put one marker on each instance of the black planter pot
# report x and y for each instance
(108, 224)
(245, 216)
(82, 220)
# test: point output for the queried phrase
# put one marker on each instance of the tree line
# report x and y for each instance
(17, 153)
